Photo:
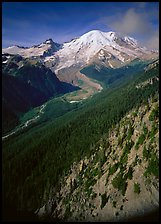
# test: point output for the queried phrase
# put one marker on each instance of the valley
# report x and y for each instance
(27, 123)
(52, 145)
(52, 109)
(80, 129)
(89, 86)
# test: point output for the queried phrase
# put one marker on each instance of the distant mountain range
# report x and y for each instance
(108, 48)
(80, 156)
(49, 69)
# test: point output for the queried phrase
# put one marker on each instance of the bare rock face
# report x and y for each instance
(120, 180)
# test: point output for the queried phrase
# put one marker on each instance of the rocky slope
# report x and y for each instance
(108, 48)
(104, 49)
(46, 48)
(26, 83)
(121, 179)
(33, 73)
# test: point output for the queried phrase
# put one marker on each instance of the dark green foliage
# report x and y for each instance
(9, 118)
(87, 172)
(137, 146)
(134, 114)
(95, 172)
(130, 132)
(102, 158)
(89, 182)
(153, 166)
(120, 141)
(129, 145)
(123, 161)
(145, 130)
(79, 180)
(26, 87)
(104, 200)
(41, 78)
(68, 213)
(108, 76)
(140, 141)
(137, 188)
(123, 138)
(113, 169)
(154, 114)
(124, 156)
(105, 144)
(155, 99)
(57, 107)
(18, 97)
(120, 183)
(153, 131)
(88, 191)
(46, 151)
(114, 204)
(146, 153)
(130, 173)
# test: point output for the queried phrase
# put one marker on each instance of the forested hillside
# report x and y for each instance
(120, 179)
(35, 161)
(110, 77)
(26, 83)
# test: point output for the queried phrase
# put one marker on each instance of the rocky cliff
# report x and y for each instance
(121, 179)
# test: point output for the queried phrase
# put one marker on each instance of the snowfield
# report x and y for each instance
(88, 47)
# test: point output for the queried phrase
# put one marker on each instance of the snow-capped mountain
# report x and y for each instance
(50, 68)
(108, 48)
(44, 49)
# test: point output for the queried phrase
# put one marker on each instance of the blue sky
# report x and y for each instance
(29, 23)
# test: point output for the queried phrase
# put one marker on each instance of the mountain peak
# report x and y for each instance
(94, 31)
(85, 48)
(49, 41)
(101, 32)
(99, 35)
(131, 41)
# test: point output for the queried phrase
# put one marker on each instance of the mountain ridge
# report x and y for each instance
(92, 42)
(107, 49)
(27, 83)
(39, 157)
(116, 174)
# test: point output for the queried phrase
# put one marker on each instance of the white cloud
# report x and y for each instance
(136, 23)
(153, 42)
(129, 23)
(132, 23)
